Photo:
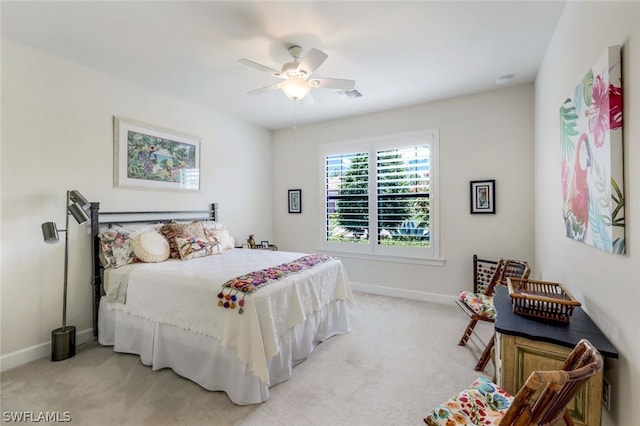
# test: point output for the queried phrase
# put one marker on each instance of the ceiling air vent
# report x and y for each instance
(351, 94)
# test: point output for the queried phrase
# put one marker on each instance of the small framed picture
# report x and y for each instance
(295, 201)
(264, 244)
(483, 196)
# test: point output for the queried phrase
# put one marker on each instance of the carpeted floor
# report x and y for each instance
(400, 359)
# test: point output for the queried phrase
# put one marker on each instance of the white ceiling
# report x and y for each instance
(399, 53)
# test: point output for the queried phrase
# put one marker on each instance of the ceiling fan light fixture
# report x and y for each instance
(296, 82)
(295, 88)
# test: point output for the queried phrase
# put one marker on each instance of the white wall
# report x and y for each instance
(608, 285)
(484, 136)
(57, 135)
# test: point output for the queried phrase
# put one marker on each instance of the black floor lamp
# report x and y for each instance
(63, 339)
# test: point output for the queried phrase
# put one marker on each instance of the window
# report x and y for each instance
(380, 196)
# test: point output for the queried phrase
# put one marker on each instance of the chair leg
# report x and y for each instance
(467, 332)
(486, 354)
(567, 418)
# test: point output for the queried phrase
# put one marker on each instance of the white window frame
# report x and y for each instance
(429, 255)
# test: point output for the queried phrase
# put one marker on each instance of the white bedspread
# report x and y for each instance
(184, 294)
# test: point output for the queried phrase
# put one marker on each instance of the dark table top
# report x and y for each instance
(568, 335)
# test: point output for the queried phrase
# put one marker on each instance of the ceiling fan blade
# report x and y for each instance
(333, 83)
(261, 67)
(264, 89)
(312, 60)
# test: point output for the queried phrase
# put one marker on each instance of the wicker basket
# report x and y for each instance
(541, 299)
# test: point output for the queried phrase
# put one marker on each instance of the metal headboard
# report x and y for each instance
(101, 219)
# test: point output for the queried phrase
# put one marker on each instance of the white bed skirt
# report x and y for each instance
(201, 358)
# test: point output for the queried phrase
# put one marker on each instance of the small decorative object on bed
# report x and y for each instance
(295, 201)
(289, 303)
(150, 157)
(483, 196)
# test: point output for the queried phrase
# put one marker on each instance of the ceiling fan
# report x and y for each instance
(296, 75)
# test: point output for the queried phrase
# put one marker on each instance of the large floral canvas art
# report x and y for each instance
(149, 157)
(592, 157)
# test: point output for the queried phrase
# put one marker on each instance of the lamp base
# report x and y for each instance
(63, 343)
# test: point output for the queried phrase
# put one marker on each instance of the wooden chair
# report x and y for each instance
(479, 306)
(542, 400)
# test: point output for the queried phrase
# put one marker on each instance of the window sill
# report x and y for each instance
(384, 258)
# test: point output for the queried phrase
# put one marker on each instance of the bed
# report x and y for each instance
(233, 320)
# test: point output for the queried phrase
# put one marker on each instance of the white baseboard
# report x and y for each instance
(403, 293)
(43, 350)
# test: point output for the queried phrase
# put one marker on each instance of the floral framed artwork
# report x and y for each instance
(150, 157)
(295, 201)
(483, 199)
(592, 159)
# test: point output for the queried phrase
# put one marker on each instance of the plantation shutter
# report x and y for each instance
(402, 184)
(347, 195)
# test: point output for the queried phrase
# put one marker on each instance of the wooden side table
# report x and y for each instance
(525, 344)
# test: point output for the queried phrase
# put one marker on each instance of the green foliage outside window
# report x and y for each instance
(402, 197)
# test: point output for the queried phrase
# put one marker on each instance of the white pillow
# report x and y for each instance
(224, 238)
(220, 233)
(211, 225)
(151, 247)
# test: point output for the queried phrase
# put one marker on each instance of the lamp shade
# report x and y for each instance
(295, 88)
(77, 197)
(78, 213)
(50, 232)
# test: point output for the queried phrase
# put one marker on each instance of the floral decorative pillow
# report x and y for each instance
(174, 230)
(193, 248)
(116, 248)
(116, 244)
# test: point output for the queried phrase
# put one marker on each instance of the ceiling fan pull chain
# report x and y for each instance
(295, 118)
